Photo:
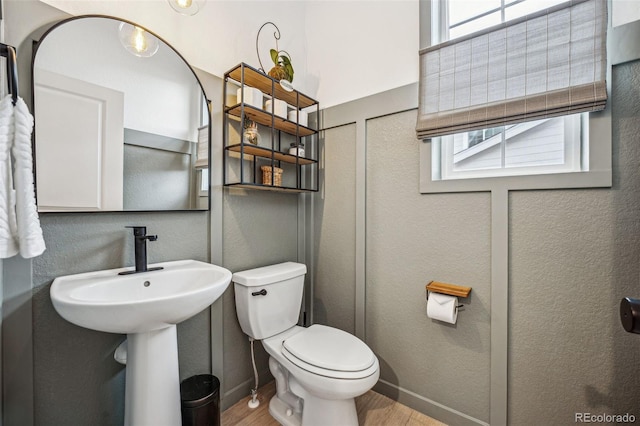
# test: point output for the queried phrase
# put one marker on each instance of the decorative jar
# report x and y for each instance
(251, 134)
(297, 149)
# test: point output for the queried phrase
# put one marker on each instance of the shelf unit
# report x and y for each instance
(244, 158)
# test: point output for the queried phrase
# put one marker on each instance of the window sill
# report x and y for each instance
(590, 179)
(598, 176)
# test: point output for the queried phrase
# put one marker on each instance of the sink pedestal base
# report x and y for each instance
(153, 380)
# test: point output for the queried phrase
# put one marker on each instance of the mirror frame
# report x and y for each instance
(39, 35)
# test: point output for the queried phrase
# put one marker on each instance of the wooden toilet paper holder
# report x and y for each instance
(450, 289)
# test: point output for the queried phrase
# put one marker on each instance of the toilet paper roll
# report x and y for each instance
(279, 109)
(252, 96)
(298, 116)
(442, 307)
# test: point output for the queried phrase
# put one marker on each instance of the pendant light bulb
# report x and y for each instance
(187, 7)
(137, 41)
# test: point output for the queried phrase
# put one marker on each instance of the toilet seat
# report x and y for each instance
(330, 352)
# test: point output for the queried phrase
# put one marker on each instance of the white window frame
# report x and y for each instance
(203, 174)
(203, 178)
(443, 148)
(595, 157)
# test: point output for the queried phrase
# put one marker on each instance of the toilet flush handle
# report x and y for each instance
(262, 292)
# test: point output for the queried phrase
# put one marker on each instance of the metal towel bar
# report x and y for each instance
(9, 52)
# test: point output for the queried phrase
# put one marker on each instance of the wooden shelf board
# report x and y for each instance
(268, 187)
(259, 151)
(266, 84)
(451, 289)
(264, 118)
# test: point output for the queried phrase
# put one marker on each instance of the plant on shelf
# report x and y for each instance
(282, 70)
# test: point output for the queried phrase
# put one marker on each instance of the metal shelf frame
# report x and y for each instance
(307, 168)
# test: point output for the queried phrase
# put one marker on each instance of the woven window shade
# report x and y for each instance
(546, 64)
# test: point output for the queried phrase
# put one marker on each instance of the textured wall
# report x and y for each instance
(334, 228)
(412, 239)
(574, 255)
(77, 381)
(260, 228)
(155, 179)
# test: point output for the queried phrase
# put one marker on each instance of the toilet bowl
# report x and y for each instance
(327, 390)
(319, 370)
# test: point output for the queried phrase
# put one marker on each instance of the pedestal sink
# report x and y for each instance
(146, 306)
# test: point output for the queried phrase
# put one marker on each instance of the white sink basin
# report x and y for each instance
(138, 303)
(146, 306)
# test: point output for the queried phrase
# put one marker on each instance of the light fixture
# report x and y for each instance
(187, 7)
(137, 41)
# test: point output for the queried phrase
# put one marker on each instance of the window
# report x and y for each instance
(202, 149)
(204, 182)
(558, 146)
(468, 16)
(543, 146)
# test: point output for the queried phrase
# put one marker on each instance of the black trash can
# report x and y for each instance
(200, 396)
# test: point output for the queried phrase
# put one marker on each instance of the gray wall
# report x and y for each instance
(334, 231)
(411, 240)
(76, 378)
(156, 179)
(573, 255)
(260, 228)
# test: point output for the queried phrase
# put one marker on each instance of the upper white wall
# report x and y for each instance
(358, 48)
(624, 11)
(341, 50)
(220, 36)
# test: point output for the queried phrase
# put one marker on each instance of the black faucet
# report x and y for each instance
(140, 248)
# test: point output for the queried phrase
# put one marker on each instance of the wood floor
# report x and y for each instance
(373, 410)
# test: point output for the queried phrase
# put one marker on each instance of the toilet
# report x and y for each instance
(319, 370)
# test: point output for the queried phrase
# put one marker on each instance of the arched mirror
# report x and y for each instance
(119, 125)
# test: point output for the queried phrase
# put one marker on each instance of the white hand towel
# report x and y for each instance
(29, 231)
(8, 226)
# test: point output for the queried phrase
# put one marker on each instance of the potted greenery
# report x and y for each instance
(282, 70)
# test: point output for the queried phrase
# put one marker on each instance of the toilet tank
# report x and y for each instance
(268, 299)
